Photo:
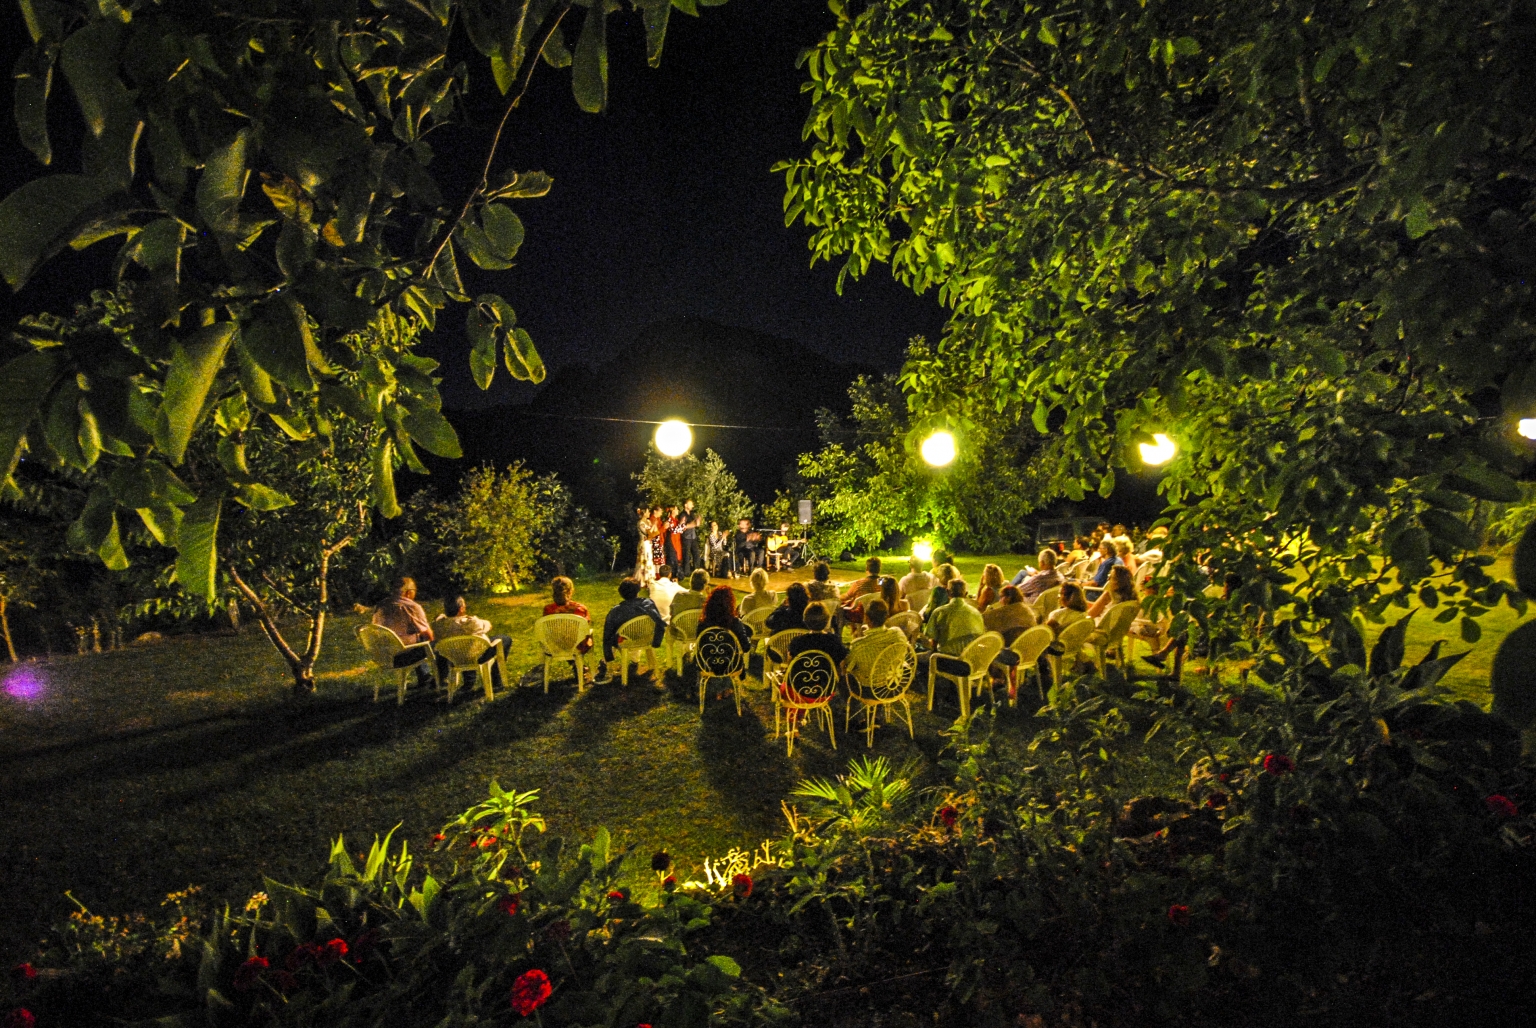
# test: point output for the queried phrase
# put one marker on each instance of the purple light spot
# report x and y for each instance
(25, 683)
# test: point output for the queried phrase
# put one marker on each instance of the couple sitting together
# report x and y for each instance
(402, 615)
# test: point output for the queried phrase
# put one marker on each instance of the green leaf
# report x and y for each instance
(1513, 685)
(41, 217)
(1417, 222)
(1387, 654)
(147, 483)
(61, 424)
(1107, 484)
(195, 364)
(429, 428)
(197, 560)
(222, 185)
(262, 497)
(480, 248)
(589, 70)
(89, 59)
(158, 246)
(275, 343)
(24, 381)
(521, 185)
(33, 78)
(1041, 416)
(384, 477)
(654, 14)
(1047, 32)
(503, 230)
(1471, 631)
(1484, 483)
(725, 964)
(482, 342)
(1449, 528)
(522, 358)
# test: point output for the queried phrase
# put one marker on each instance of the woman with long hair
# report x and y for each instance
(720, 612)
(1119, 589)
(890, 592)
(645, 567)
(991, 586)
(1073, 607)
(790, 613)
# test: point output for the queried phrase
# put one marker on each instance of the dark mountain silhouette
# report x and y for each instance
(700, 371)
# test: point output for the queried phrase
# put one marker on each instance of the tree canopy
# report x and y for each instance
(1295, 237)
(266, 173)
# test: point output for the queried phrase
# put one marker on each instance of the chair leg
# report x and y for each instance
(906, 705)
(400, 687)
(547, 659)
(703, 684)
(624, 667)
(831, 724)
(581, 673)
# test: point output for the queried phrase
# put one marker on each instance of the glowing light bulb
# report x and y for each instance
(1159, 451)
(939, 449)
(922, 550)
(674, 438)
(1527, 428)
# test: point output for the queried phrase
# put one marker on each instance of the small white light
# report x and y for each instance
(674, 438)
(1527, 427)
(939, 449)
(922, 550)
(1159, 451)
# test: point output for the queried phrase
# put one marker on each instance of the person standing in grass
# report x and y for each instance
(402, 615)
(631, 605)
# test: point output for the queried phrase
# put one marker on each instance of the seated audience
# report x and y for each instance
(991, 586)
(663, 590)
(877, 636)
(915, 578)
(631, 605)
(694, 597)
(761, 595)
(1123, 551)
(1010, 615)
(943, 574)
(820, 588)
(456, 620)
(1119, 589)
(790, 613)
(818, 636)
(868, 584)
(1107, 560)
(1073, 606)
(562, 593)
(950, 629)
(402, 615)
(890, 592)
(720, 612)
(1032, 582)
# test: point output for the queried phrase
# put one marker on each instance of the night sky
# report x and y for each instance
(664, 206)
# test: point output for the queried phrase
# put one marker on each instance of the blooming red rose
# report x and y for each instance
(24, 973)
(1220, 907)
(1223, 776)
(1231, 702)
(510, 905)
(530, 992)
(741, 885)
(1278, 764)
(948, 815)
(474, 844)
(1501, 805)
(330, 952)
(1178, 913)
(249, 973)
(20, 1017)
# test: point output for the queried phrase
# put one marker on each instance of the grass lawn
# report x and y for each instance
(131, 774)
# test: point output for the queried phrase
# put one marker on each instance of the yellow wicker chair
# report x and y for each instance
(635, 637)
(560, 637)
(680, 635)
(382, 646)
(463, 653)
(1071, 639)
(1030, 646)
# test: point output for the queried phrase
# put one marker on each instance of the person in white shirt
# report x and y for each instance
(456, 620)
(877, 636)
(915, 579)
(662, 591)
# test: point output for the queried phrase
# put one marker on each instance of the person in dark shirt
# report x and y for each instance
(818, 638)
(720, 612)
(790, 613)
(747, 547)
(689, 529)
(631, 605)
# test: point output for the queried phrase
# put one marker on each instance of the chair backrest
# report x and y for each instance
(892, 674)
(1030, 645)
(637, 631)
(755, 619)
(1073, 636)
(831, 607)
(749, 604)
(779, 641)
(462, 650)
(811, 678)
(909, 621)
(1117, 621)
(718, 653)
(686, 622)
(917, 599)
(561, 633)
(1047, 602)
(864, 599)
(982, 651)
(381, 644)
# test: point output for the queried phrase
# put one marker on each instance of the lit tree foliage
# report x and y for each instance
(1295, 236)
(672, 481)
(265, 170)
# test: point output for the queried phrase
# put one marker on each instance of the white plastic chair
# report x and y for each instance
(1111, 633)
(757, 620)
(777, 643)
(917, 599)
(560, 637)
(1047, 602)
(635, 637)
(909, 621)
(382, 646)
(1071, 639)
(463, 653)
(680, 635)
(978, 658)
(890, 678)
(1030, 646)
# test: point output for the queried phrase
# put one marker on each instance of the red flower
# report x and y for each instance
(1501, 805)
(617, 896)
(530, 992)
(249, 973)
(474, 843)
(1278, 764)
(24, 973)
(509, 905)
(439, 837)
(1231, 702)
(1220, 907)
(285, 980)
(20, 1017)
(669, 883)
(1223, 776)
(1179, 915)
(741, 885)
(948, 815)
(330, 952)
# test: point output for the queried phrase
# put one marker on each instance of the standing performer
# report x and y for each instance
(689, 524)
(645, 570)
(672, 539)
(658, 540)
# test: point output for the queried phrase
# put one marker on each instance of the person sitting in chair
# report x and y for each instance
(820, 586)
(1032, 583)
(877, 636)
(562, 593)
(818, 637)
(402, 615)
(950, 629)
(916, 579)
(455, 620)
(693, 599)
(631, 605)
(761, 595)
(720, 612)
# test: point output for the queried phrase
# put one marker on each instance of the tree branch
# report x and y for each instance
(265, 617)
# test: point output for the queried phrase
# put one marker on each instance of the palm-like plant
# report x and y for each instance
(871, 797)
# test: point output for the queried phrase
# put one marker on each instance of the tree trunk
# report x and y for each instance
(5, 629)
(300, 666)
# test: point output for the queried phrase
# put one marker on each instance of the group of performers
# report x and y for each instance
(669, 539)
